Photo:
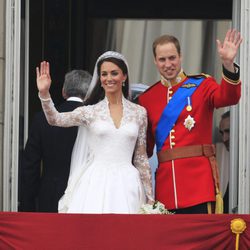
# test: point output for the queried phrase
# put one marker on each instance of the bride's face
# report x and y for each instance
(111, 77)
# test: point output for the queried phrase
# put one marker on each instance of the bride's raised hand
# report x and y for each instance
(43, 79)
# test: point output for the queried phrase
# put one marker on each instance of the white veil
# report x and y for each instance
(81, 155)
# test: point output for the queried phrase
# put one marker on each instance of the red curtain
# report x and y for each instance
(105, 231)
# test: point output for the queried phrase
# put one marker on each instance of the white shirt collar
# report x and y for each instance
(75, 99)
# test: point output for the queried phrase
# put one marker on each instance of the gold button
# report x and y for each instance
(172, 137)
(172, 131)
(189, 108)
(172, 143)
(170, 91)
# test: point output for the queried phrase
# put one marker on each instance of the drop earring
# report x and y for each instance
(123, 83)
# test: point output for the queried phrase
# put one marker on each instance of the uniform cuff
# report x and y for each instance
(233, 78)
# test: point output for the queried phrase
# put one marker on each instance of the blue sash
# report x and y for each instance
(173, 109)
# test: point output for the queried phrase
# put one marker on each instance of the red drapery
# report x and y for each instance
(107, 232)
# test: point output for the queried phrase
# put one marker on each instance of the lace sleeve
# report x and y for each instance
(140, 156)
(77, 117)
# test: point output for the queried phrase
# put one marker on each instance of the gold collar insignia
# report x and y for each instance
(169, 83)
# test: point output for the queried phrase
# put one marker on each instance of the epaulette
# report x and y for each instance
(150, 87)
(136, 100)
(202, 75)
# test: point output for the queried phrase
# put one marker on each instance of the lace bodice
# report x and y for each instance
(110, 145)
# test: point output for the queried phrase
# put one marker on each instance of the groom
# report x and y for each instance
(180, 114)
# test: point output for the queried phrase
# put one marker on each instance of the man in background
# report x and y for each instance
(224, 129)
(46, 160)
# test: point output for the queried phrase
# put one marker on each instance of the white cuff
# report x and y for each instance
(42, 99)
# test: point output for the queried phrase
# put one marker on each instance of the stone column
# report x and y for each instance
(2, 69)
(12, 49)
(244, 112)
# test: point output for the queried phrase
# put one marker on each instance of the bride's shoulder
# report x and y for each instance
(137, 108)
(95, 106)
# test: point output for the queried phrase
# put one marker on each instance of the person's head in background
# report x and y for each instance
(76, 84)
(224, 129)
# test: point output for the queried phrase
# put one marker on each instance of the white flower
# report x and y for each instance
(156, 208)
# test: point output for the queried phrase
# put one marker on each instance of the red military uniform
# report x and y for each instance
(187, 182)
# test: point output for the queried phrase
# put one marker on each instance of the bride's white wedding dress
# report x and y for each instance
(117, 176)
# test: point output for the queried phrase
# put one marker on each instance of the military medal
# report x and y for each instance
(189, 106)
(189, 122)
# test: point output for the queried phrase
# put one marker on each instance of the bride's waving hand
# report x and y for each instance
(43, 79)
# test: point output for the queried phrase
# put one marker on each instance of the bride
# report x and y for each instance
(109, 170)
